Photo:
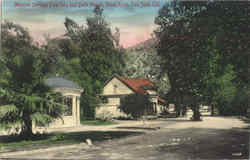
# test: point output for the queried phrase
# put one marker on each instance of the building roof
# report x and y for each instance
(59, 82)
(139, 85)
(161, 100)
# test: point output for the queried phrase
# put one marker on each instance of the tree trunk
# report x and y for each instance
(184, 111)
(183, 107)
(212, 110)
(196, 113)
(177, 110)
(27, 128)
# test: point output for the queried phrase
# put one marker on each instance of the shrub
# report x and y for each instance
(105, 116)
(88, 106)
(136, 105)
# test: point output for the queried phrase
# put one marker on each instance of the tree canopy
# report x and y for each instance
(136, 105)
(199, 41)
(142, 61)
(25, 97)
(89, 55)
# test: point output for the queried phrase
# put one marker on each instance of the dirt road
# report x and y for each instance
(213, 138)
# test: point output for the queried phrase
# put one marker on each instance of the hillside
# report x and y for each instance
(142, 61)
(145, 45)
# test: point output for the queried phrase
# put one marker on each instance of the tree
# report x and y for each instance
(136, 105)
(27, 99)
(90, 57)
(142, 61)
(184, 62)
(190, 37)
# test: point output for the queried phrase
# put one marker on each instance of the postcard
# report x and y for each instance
(124, 79)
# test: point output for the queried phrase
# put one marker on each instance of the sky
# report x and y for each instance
(134, 18)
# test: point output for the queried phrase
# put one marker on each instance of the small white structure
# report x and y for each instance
(71, 93)
(118, 87)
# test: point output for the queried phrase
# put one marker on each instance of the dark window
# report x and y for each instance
(68, 102)
(104, 100)
(115, 88)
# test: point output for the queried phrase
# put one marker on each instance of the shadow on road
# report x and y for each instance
(177, 120)
(210, 144)
(143, 128)
(17, 143)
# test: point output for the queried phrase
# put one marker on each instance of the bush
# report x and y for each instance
(88, 106)
(104, 116)
(124, 118)
(136, 105)
(236, 107)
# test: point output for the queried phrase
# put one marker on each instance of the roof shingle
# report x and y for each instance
(59, 82)
(138, 85)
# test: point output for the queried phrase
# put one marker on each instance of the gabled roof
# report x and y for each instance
(59, 82)
(138, 85)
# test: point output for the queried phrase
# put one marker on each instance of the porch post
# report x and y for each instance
(78, 110)
(74, 110)
(155, 104)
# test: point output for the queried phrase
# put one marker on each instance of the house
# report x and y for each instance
(71, 93)
(117, 87)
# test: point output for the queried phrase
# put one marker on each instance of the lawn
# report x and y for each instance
(15, 143)
(97, 122)
(2, 128)
(84, 122)
(59, 138)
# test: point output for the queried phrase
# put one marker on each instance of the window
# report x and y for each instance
(104, 100)
(68, 102)
(115, 88)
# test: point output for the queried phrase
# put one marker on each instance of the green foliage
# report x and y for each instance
(136, 105)
(240, 103)
(89, 104)
(185, 60)
(26, 99)
(198, 49)
(233, 103)
(144, 62)
(56, 139)
(90, 58)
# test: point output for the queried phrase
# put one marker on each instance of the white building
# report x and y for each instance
(117, 87)
(71, 93)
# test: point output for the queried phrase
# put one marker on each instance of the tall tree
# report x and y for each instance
(191, 34)
(184, 60)
(26, 99)
(94, 45)
(92, 51)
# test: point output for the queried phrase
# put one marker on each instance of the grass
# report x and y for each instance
(2, 128)
(58, 138)
(15, 143)
(84, 122)
(97, 122)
